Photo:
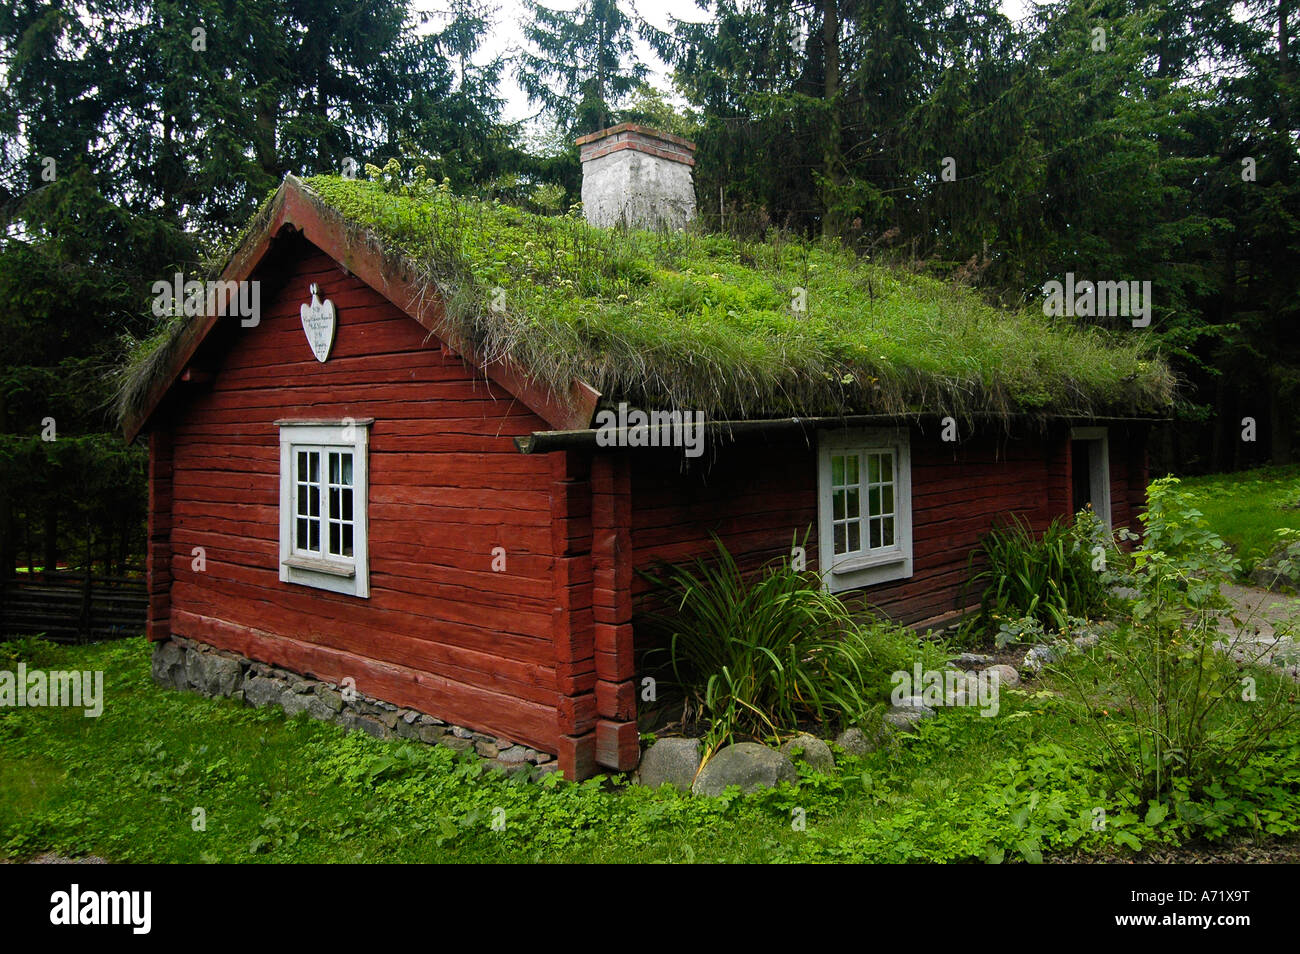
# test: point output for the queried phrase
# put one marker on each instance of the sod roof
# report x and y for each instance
(737, 329)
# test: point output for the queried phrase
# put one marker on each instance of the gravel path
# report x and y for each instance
(1266, 629)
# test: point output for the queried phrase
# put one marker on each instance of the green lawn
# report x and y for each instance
(1248, 508)
(125, 786)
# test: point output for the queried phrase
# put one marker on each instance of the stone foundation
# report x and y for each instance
(181, 663)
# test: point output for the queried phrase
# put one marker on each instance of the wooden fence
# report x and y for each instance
(68, 607)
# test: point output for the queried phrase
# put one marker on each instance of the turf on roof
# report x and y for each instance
(707, 322)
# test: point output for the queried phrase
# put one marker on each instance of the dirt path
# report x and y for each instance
(1266, 629)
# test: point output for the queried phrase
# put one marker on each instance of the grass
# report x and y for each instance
(1248, 508)
(125, 786)
(708, 322)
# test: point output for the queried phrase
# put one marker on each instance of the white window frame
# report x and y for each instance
(882, 565)
(1098, 467)
(338, 574)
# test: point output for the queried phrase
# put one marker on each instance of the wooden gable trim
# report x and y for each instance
(293, 208)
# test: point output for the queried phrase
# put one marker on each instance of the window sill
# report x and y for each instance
(854, 564)
(321, 566)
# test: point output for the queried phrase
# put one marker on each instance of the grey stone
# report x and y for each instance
(811, 750)
(549, 768)
(456, 743)
(1006, 675)
(904, 718)
(674, 761)
(367, 724)
(406, 730)
(388, 718)
(747, 765)
(409, 716)
(1086, 642)
(301, 685)
(515, 753)
(461, 733)
(168, 665)
(971, 660)
(332, 700)
(542, 758)
(486, 749)
(432, 734)
(855, 742)
(261, 691)
(238, 696)
(213, 675)
(1040, 656)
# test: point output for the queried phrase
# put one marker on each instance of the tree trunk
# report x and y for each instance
(831, 224)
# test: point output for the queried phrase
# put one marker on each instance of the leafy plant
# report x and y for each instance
(1049, 579)
(758, 654)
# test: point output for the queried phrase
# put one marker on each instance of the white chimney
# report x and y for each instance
(636, 176)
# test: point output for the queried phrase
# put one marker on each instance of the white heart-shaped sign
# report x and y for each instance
(319, 324)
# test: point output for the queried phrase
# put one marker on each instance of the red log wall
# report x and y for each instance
(441, 632)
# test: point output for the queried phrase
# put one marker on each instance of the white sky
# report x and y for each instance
(506, 37)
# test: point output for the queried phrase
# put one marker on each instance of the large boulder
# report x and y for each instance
(671, 761)
(747, 765)
(811, 750)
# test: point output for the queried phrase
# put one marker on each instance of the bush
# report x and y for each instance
(1050, 578)
(764, 654)
(1174, 710)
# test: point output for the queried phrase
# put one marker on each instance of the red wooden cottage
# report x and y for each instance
(376, 496)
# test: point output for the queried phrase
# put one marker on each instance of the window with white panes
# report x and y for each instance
(322, 505)
(864, 485)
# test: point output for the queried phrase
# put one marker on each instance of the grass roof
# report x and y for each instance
(708, 322)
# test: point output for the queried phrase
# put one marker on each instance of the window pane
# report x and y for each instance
(853, 505)
(887, 531)
(887, 467)
(837, 470)
(313, 501)
(302, 499)
(334, 468)
(334, 538)
(302, 533)
(851, 469)
(855, 536)
(887, 499)
(840, 546)
(347, 539)
(334, 504)
(873, 468)
(875, 534)
(313, 536)
(837, 505)
(873, 501)
(347, 470)
(347, 504)
(314, 459)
